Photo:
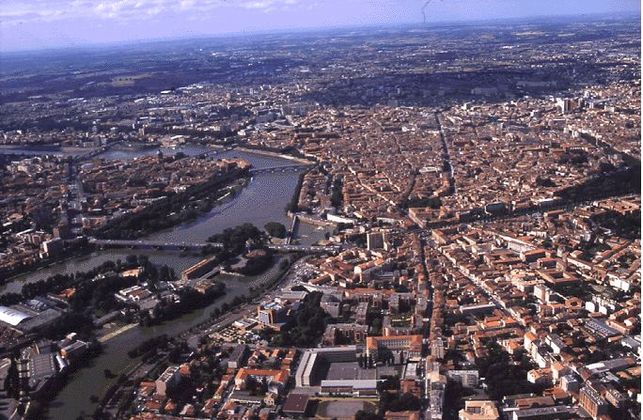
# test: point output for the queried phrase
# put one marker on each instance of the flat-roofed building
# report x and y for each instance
(477, 309)
(555, 412)
(199, 269)
(31, 315)
(276, 313)
(468, 378)
(479, 410)
(74, 350)
(296, 404)
(12, 317)
(402, 415)
(41, 372)
(313, 361)
(592, 402)
(599, 329)
(344, 333)
(168, 379)
(437, 348)
(361, 312)
(569, 383)
(354, 387)
(237, 356)
(331, 305)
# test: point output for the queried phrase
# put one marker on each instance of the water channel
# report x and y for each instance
(263, 200)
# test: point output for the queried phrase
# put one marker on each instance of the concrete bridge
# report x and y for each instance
(284, 168)
(179, 246)
(293, 228)
(141, 244)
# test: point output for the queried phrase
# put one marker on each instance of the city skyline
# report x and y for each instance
(47, 24)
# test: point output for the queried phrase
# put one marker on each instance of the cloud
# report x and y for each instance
(28, 24)
(18, 11)
(267, 5)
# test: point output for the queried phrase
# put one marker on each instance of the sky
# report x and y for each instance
(37, 24)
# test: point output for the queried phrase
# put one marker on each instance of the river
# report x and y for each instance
(73, 399)
(263, 200)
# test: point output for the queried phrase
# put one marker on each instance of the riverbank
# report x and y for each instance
(175, 209)
(135, 147)
(198, 332)
(261, 200)
(43, 264)
(116, 333)
(16, 150)
(281, 155)
(73, 399)
(93, 258)
(32, 147)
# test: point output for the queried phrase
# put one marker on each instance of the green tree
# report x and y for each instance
(275, 229)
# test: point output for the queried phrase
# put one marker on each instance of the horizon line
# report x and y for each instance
(314, 29)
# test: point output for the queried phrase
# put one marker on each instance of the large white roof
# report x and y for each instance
(12, 316)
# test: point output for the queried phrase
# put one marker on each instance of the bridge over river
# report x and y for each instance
(179, 246)
(282, 168)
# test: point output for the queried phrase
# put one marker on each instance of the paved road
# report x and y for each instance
(181, 245)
